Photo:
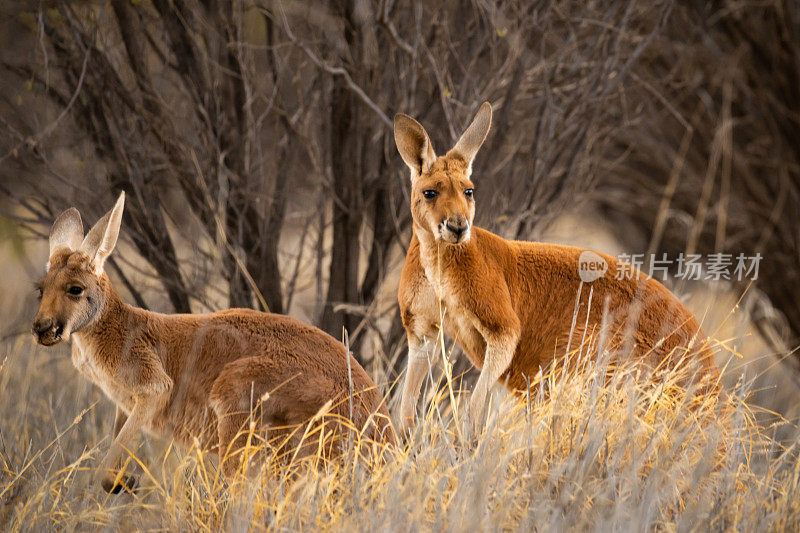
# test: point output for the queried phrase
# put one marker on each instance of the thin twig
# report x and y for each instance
(335, 71)
(36, 139)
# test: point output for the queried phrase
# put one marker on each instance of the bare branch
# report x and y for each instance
(335, 71)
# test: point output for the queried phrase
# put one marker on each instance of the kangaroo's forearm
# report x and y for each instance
(416, 369)
(142, 412)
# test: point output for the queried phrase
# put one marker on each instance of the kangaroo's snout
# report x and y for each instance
(48, 331)
(455, 229)
(42, 325)
(458, 228)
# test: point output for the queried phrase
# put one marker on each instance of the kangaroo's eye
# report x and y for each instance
(75, 290)
(430, 194)
(39, 292)
(468, 193)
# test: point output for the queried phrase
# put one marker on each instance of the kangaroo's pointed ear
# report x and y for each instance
(413, 144)
(102, 238)
(472, 139)
(67, 231)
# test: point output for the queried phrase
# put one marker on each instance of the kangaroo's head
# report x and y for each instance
(442, 195)
(73, 290)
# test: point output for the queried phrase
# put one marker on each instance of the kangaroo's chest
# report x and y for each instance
(438, 304)
(85, 360)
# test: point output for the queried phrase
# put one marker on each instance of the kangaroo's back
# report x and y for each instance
(263, 353)
(559, 310)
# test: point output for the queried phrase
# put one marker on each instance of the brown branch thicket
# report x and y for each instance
(235, 127)
(712, 161)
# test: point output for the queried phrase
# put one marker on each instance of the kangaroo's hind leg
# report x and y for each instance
(263, 404)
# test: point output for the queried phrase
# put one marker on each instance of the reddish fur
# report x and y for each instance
(495, 281)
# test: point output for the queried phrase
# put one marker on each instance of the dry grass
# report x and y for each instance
(580, 451)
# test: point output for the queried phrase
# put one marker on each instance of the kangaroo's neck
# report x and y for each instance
(439, 259)
(116, 324)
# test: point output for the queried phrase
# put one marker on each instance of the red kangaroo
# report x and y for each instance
(190, 376)
(510, 305)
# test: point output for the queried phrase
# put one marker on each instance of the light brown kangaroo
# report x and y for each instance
(196, 376)
(511, 305)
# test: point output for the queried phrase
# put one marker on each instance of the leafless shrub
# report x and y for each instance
(710, 160)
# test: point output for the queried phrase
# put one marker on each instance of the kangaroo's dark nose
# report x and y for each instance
(43, 325)
(457, 224)
(457, 230)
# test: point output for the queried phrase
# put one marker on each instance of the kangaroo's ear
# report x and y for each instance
(413, 144)
(67, 231)
(472, 139)
(102, 238)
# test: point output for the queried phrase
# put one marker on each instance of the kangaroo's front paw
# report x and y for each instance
(406, 421)
(111, 485)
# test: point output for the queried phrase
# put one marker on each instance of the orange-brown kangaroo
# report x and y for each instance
(196, 376)
(511, 305)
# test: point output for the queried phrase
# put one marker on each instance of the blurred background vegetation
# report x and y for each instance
(254, 141)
